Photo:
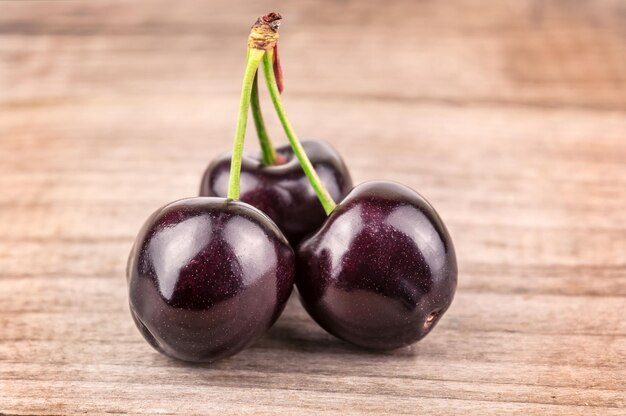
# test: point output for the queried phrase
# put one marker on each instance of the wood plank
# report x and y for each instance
(509, 117)
(455, 51)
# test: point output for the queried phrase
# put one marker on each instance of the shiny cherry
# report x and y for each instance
(207, 277)
(282, 191)
(381, 270)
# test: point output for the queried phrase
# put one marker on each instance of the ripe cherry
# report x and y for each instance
(381, 271)
(282, 191)
(207, 277)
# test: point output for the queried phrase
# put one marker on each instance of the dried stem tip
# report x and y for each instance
(264, 32)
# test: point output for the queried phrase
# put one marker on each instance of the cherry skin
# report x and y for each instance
(381, 270)
(207, 277)
(282, 191)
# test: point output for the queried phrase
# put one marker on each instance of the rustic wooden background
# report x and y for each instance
(510, 117)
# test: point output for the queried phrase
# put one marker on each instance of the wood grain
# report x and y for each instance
(510, 117)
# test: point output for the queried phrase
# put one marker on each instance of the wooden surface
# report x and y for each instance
(510, 117)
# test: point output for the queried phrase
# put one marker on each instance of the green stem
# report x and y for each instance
(298, 150)
(267, 149)
(252, 64)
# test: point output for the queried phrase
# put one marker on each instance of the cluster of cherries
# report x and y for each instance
(209, 275)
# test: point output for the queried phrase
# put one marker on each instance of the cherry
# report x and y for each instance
(382, 269)
(207, 277)
(282, 191)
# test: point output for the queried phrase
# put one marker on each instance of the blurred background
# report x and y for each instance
(509, 117)
(112, 108)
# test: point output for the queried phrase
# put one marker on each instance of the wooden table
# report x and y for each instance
(508, 116)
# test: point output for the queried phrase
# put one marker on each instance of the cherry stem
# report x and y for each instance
(322, 193)
(267, 149)
(252, 65)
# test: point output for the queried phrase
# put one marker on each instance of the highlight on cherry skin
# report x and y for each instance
(282, 191)
(381, 270)
(207, 277)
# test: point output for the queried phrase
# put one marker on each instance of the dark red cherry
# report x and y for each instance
(381, 270)
(282, 191)
(207, 277)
